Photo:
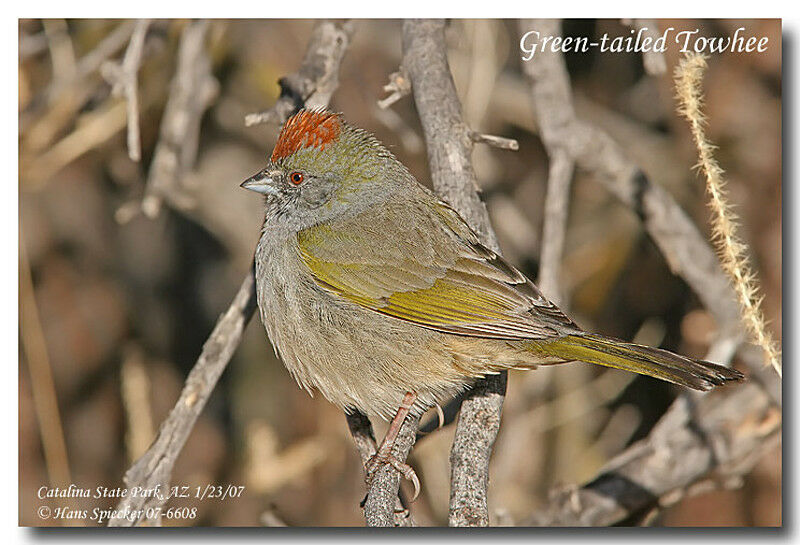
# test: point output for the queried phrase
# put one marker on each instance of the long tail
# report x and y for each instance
(655, 362)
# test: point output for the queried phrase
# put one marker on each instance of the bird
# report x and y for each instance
(378, 294)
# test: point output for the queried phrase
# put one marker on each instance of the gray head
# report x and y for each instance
(323, 168)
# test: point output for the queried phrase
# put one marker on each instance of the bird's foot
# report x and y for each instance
(379, 460)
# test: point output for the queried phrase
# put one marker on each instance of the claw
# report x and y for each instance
(405, 470)
(383, 455)
(410, 475)
(440, 414)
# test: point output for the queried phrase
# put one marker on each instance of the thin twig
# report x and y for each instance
(156, 466)
(124, 80)
(499, 142)
(449, 148)
(94, 128)
(135, 393)
(154, 469)
(399, 86)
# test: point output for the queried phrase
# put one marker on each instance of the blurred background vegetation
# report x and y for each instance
(115, 306)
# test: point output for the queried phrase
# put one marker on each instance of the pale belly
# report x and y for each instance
(357, 358)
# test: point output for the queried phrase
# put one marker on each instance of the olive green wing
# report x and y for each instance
(430, 270)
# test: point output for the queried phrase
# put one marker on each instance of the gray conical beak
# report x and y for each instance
(261, 183)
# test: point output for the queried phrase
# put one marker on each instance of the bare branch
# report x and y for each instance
(45, 399)
(62, 55)
(382, 506)
(499, 142)
(364, 439)
(687, 252)
(654, 62)
(92, 61)
(719, 439)
(399, 86)
(449, 149)
(124, 80)
(318, 77)
(192, 91)
(155, 467)
(735, 427)
(554, 114)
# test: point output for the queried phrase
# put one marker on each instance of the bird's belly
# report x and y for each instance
(355, 357)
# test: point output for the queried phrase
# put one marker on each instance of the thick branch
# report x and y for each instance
(717, 441)
(449, 151)
(382, 506)
(375, 511)
(155, 466)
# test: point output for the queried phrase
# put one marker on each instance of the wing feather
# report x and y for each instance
(435, 273)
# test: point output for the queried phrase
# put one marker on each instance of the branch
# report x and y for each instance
(717, 439)
(318, 77)
(727, 432)
(93, 60)
(192, 90)
(364, 439)
(449, 149)
(499, 142)
(382, 506)
(399, 86)
(655, 64)
(688, 254)
(124, 81)
(554, 112)
(156, 465)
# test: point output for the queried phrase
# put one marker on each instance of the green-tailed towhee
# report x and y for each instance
(379, 295)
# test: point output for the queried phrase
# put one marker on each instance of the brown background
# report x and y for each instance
(123, 308)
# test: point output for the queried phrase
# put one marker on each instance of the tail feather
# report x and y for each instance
(654, 362)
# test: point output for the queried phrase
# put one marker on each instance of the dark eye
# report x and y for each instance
(296, 178)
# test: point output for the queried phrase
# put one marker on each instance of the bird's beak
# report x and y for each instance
(261, 183)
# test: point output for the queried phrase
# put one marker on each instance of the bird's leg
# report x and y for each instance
(384, 453)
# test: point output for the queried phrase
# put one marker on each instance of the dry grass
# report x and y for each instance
(731, 250)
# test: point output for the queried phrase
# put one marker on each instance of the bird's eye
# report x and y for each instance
(296, 178)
